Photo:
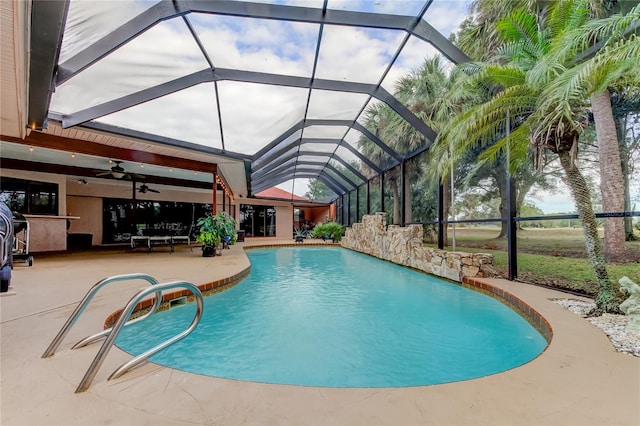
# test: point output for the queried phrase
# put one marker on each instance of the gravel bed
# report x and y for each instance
(612, 325)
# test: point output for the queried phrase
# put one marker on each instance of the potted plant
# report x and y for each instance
(300, 236)
(227, 228)
(213, 229)
(208, 235)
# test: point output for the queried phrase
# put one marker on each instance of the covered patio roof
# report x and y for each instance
(272, 92)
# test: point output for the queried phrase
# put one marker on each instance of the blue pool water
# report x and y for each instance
(333, 317)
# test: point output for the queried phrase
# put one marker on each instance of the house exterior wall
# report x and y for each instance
(46, 233)
(89, 220)
(284, 214)
(82, 206)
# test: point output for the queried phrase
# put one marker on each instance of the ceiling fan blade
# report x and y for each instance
(104, 174)
(153, 190)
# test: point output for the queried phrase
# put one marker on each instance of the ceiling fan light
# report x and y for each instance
(117, 175)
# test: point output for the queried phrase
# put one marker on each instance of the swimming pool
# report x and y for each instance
(332, 317)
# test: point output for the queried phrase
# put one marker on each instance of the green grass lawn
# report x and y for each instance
(554, 257)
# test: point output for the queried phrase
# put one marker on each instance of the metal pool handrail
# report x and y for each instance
(85, 301)
(126, 312)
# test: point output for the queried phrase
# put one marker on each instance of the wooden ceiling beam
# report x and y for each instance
(60, 143)
(10, 163)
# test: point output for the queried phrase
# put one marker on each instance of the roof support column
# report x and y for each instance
(224, 201)
(214, 208)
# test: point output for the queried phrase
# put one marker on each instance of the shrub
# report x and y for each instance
(330, 229)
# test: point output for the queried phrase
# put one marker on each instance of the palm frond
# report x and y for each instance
(516, 144)
(519, 25)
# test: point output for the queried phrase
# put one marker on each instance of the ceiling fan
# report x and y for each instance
(118, 172)
(144, 189)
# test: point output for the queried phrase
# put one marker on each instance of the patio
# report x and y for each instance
(579, 379)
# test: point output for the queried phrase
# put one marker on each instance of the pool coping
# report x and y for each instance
(526, 311)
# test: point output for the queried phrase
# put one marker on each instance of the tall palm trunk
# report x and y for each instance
(606, 298)
(611, 183)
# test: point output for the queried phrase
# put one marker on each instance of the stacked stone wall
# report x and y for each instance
(404, 246)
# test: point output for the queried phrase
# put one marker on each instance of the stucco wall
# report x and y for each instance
(403, 245)
(89, 211)
(317, 214)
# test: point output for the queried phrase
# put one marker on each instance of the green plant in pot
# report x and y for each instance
(213, 229)
(208, 234)
(227, 228)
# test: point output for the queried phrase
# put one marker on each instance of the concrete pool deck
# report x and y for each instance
(579, 380)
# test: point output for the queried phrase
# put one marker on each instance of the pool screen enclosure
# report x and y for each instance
(282, 85)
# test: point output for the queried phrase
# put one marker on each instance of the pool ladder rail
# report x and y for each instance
(112, 333)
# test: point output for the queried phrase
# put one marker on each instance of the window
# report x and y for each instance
(122, 218)
(29, 197)
(258, 221)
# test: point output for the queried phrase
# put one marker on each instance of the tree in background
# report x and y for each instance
(534, 100)
(480, 39)
(318, 190)
(625, 102)
(422, 91)
(583, 72)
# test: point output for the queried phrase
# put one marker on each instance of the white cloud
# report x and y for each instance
(253, 115)
(411, 58)
(190, 115)
(90, 20)
(392, 7)
(258, 44)
(335, 105)
(163, 53)
(446, 15)
(325, 132)
(356, 54)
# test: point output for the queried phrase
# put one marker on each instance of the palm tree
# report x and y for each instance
(524, 108)
(377, 119)
(478, 36)
(616, 62)
(429, 93)
(423, 91)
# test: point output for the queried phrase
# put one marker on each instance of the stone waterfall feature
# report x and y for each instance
(403, 245)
